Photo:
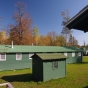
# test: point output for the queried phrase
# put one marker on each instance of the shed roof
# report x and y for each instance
(51, 56)
(24, 49)
(79, 21)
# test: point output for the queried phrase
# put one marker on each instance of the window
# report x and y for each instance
(3, 57)
(73, 54)
(65, 54)
(79, 53)
(31, 54)
(18, 56)
(55, 64)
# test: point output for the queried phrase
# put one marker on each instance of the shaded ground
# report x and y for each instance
(18, 78)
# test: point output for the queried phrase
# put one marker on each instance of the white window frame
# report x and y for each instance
(66, 54)
(73, 54)
(20, 56)
(1, 58)
(79, 53)
(30, 54)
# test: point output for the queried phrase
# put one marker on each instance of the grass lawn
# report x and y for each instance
(76, 77)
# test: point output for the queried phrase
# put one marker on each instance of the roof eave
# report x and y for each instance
(72, 20)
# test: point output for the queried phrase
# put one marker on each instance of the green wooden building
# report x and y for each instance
(48, 66)
(18, 56)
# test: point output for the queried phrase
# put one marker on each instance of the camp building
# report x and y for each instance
(19, 56)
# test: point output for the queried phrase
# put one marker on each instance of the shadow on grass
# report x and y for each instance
(18, 78)
(85, 87)
(82, 63)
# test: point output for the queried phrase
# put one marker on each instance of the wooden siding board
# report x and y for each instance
(70, 58)
(74, 59)
(37, 68)
(11, 63)
(50, 73)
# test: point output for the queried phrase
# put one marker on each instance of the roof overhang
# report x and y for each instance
(79, 21)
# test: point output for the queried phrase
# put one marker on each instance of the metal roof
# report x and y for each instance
(79, 21)
(24, 49)
(51, 56)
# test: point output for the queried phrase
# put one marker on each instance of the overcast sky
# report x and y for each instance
(46, 14)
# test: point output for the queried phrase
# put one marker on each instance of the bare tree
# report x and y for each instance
(65, 30)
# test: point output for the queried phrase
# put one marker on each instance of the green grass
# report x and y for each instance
(76, 77)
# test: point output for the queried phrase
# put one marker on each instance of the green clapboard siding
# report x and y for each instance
(79, 59)
(71, 59)
(37, 69)
(11, 63)
(75, 59)
(50, 73)
(42, 66)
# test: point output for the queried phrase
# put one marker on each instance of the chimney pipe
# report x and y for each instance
(12, 44)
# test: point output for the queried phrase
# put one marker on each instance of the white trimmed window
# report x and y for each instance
(73, 54)
(30, 55)
(79, 53)
(18, 56)
(3, 57)
(65, 54)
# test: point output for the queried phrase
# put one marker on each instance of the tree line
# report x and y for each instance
(21, 32)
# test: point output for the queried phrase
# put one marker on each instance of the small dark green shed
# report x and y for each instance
(46, 66)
